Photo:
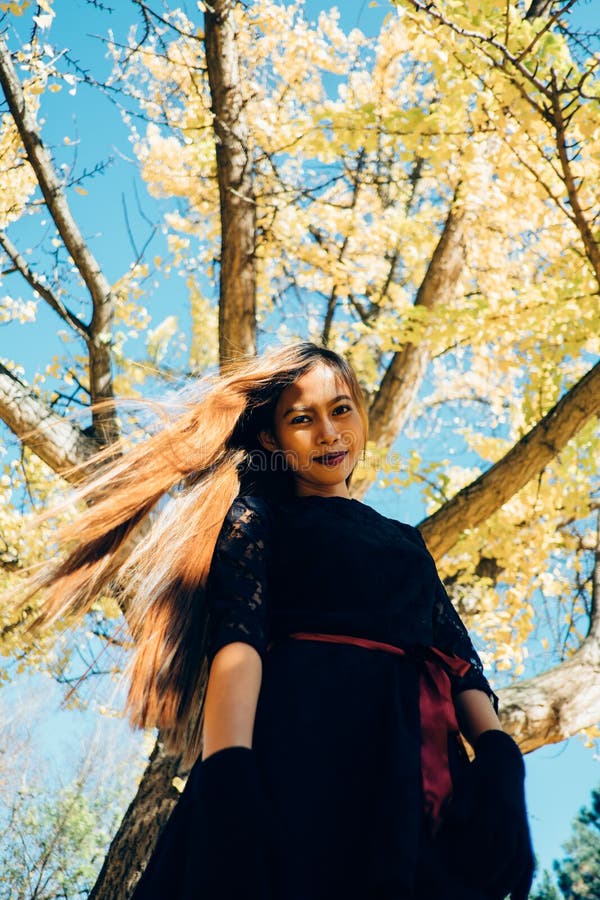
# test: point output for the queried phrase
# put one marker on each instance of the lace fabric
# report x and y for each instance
(451, 636)
(237, 587)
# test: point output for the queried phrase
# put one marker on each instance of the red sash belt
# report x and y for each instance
(436, 708)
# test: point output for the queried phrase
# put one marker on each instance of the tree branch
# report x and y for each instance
(332, 300)
(400, 384)
(553, 114)
(45, 293)
(557, 704)
(587, 236)
(100, 326)
(530, 455)
(59, 443)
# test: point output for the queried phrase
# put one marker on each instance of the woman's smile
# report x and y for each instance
(332, 459)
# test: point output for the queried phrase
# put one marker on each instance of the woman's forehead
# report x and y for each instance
(319, 385)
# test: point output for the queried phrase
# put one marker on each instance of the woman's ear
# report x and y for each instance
(267, 440)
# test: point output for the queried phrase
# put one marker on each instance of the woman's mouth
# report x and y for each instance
(332, 459)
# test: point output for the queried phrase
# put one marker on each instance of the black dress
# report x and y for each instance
(337, 733)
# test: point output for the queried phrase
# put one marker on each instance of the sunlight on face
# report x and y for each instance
(319, 430)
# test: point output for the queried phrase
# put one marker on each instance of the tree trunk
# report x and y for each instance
(139, 830)
(237, 301)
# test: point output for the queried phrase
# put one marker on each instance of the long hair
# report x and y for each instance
(152, 520)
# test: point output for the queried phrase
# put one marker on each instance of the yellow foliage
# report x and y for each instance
(16, 7)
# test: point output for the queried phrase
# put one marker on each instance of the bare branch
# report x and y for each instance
(94, 279)
(20, 265)
(332, 301)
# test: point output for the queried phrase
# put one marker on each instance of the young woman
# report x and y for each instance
(300, 647)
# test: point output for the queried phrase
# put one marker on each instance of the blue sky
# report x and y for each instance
(559, 777)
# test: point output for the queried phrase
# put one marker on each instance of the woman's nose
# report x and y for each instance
(328, 433)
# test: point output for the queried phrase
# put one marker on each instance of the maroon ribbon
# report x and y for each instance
(438, 716)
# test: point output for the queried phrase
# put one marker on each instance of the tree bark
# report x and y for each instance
(528, 458)
(556, 704)
(99, 329)
(540, 8)
(237, 302)
(58, 442)
(138, 833)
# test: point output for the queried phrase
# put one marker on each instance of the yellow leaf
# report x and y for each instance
(55, 88)
(17, 9)
(178, 783)
(81, 191)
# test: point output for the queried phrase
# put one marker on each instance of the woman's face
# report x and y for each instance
(318, 429)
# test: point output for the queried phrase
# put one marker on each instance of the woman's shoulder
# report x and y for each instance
(268, 511)
(409, 531)
(246, 529)
(250, 512)
(404, 529)
(258, 503)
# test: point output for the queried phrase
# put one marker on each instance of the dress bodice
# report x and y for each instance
(334, 565)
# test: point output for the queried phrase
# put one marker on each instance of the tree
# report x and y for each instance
(546, 890)
(54, 826)
(578, 873)
(431, 220)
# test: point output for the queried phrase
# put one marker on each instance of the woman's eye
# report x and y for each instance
(343, 406)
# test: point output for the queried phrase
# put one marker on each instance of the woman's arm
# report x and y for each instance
(475, 714)
(231, 697)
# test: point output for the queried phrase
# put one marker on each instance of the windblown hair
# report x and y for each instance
(156, 556)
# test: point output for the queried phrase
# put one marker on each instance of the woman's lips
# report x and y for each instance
(331, 459)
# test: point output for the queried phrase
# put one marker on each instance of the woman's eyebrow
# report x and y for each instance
(303, 408)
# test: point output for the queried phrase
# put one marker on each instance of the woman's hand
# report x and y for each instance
(485, 833)
(230, 830)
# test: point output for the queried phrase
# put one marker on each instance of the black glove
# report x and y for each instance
(229, 849)
(217, 843)
(485, 834)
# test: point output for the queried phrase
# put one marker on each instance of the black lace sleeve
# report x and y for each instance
(237, 585)
(451, 636)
